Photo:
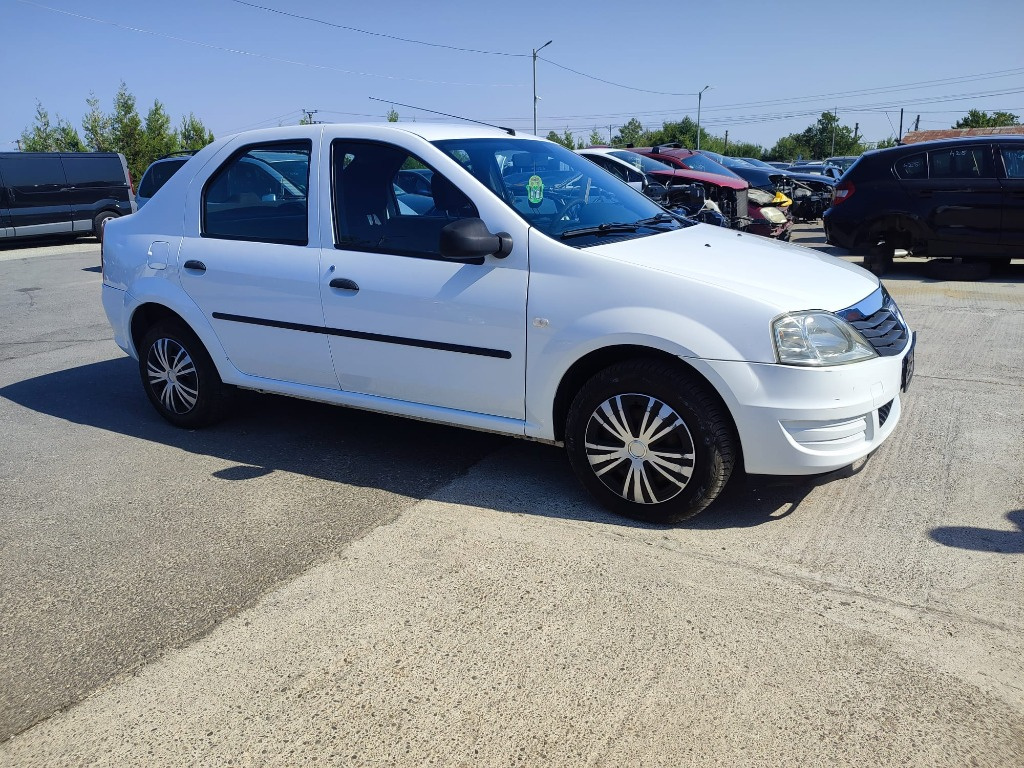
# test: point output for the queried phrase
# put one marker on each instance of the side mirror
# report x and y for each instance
(469, 240)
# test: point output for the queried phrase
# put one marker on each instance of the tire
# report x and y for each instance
(612, 411)
(98, 223)
(179, 377)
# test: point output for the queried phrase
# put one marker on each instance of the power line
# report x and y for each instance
(243, 52)
(378, 34)
(609, 82)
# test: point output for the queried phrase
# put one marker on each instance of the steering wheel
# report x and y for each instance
(571, 210)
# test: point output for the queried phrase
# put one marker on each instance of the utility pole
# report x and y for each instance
(725, 151)
(835, 122)
(917, 123)
(899, 139)
(856, 128)
(699, 94)
(309, 116)
(610, 134)
(535, 50)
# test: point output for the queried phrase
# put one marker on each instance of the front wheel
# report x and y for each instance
(648, 441)
(179, 377)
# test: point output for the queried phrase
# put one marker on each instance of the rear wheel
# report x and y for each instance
(100, 221)
(648, 441)
(179, 377)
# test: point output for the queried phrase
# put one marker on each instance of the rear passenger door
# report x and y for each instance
(961, 199)
(96, 182)
(250, 263)
(1012, 157)
(37, 194)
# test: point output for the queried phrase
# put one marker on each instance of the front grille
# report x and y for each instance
(879, 321)
(741, 203)
(883, 413)
(884, 331)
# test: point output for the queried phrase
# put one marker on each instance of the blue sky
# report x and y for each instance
(773, 66)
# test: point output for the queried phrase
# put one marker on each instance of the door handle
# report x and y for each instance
(343, 284)
(198, 266)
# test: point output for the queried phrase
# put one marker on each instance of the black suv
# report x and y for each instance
(961, 198)
(62, 193)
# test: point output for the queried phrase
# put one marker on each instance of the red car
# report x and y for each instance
(766, 218)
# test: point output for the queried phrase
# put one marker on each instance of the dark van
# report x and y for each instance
(62, 193)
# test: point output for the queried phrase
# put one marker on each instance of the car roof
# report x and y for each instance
(919, 146)
(427, 131)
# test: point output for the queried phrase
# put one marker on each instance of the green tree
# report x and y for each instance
(979, 119)
(827, 136)
(630, 133)
(392, 115)
(126, 131)
(160, 138)
(595, 138)
(67, 138)
(46, 136)
(38, 137)
(96, 127)
(193, 134)
(566, 139)
(887, 142)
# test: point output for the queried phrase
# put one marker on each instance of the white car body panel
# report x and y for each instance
(703, 294)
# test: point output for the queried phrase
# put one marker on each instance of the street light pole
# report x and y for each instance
(699, 94)
(535, 51)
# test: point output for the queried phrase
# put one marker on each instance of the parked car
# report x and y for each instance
(662, 183)
(961, 198)
(842, 162)
(817, 169)
(727, 190)
(540, 297)
(62, 193)
(766, 216)
(158, 172)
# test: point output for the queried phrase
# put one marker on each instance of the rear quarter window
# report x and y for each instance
(912, 167)
(157, 176)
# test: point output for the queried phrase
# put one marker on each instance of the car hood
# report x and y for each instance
(687, 175)
(787, 277)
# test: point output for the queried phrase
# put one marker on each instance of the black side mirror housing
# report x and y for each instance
(469, 241)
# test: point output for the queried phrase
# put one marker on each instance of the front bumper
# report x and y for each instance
(805, 421)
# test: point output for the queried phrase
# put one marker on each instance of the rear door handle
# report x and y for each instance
(344, 284)
(198, 266)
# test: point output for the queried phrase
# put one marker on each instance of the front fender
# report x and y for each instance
(554, 352)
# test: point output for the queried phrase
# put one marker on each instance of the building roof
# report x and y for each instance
(913, 137)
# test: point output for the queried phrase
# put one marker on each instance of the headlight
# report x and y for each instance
(773, 214)
(818, 339)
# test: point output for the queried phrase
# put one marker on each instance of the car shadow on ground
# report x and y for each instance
(984, 539)
(267, 433)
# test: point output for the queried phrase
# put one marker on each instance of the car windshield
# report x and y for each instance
(562, 194)
(707, 165)
(728, 162)
(645, 164)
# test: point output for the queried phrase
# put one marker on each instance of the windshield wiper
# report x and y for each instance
(661, 218)
(600, 229)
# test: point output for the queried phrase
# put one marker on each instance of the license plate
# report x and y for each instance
(908, 366)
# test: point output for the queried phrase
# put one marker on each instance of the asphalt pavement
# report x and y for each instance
(310, 585)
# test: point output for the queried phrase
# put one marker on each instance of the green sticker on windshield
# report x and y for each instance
(535, 189)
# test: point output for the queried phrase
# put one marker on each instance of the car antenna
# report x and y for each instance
(509, 131)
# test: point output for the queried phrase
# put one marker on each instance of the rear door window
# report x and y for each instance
(86, 171)
(966, 162)
(249, 198)
(1013, 161)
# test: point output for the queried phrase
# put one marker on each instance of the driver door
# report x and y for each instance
(403, 322)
